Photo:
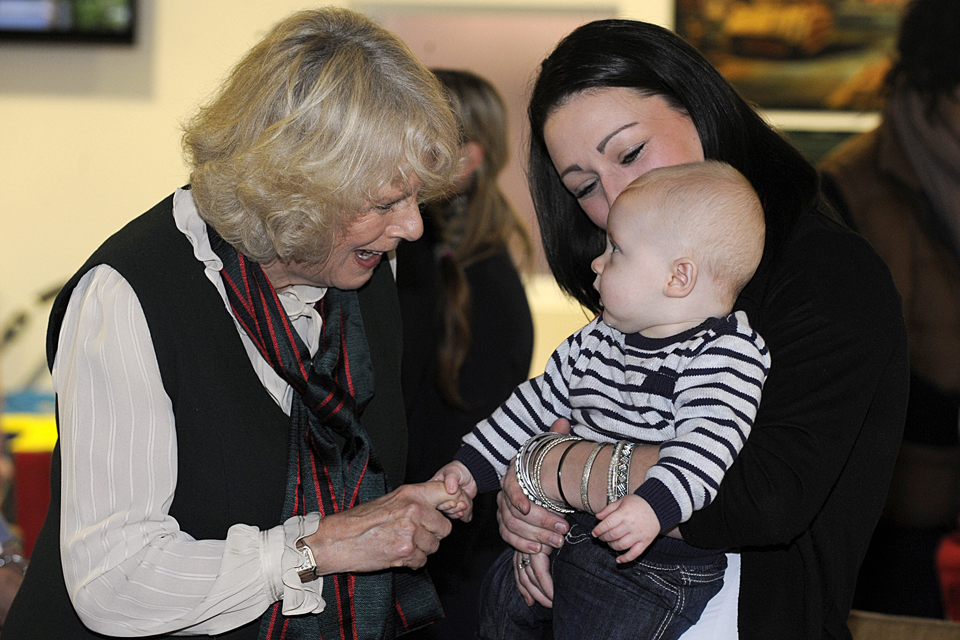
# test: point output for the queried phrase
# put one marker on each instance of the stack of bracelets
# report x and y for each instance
(534, 451)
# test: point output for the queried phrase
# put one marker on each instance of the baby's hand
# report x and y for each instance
(462, 488)
(629, 523)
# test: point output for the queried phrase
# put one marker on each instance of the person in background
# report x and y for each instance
(899, 187)
(796, 509)
(227, 367)
(667, 363)
(467, 333)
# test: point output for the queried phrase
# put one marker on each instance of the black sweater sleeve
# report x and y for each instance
(803, 497)
(831, 317)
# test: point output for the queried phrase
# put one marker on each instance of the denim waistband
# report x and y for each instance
(664, 550)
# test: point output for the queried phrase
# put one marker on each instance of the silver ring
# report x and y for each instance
(524, 562)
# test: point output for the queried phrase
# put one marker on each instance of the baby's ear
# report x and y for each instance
(683, 278)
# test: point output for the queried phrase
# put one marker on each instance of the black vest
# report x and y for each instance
(231, 435)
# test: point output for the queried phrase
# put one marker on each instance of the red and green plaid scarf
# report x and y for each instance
(331, 466)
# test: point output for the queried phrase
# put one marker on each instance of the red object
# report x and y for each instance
(32, 494)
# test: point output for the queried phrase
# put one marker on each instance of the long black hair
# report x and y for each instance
(653, 61)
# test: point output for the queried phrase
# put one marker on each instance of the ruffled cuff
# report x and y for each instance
(298, 597)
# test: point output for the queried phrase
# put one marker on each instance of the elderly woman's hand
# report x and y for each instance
(399, 529)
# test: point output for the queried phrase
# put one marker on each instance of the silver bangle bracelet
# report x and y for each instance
(622, 472)
(618, 473)
(542, 452)
(585, 478)
(528, 463)
(612, 472)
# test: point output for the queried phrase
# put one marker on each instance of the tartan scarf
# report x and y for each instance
(331, 463)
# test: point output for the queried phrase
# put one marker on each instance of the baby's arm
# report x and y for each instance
(716, 399)
(462, 488)
(628, 524)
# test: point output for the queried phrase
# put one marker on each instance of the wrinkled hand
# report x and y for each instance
(629, 523)
(533, 577)
(399, 529)
(462, 488)
(523, 525)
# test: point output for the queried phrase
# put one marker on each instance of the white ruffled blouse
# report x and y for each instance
(128, 567)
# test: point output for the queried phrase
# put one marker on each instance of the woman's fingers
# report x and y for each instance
(540, 575)
(561, 425)
(399, 529)
(513, 492)
(523, 585)
(532, 574)
(527, 530)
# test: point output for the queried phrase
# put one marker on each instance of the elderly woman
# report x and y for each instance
(227, 367)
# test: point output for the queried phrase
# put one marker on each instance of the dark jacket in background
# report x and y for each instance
(872, 184)
(498, 360)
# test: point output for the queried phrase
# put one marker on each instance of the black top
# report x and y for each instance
(803, 497)
(497, 361)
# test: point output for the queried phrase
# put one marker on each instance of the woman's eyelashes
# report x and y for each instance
(632, 155)
(584, 191)
(627, 159)
(390, 206)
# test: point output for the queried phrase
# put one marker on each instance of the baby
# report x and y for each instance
(668, 363)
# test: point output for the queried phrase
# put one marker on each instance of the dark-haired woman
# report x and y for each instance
(468, 334)
(615, 99)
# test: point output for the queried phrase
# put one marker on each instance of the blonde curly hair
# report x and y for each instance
(326, 110)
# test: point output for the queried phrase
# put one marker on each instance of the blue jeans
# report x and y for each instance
(596, 599)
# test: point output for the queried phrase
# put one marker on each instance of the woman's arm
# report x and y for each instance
(832, 411)
(531, 528)
(128, 567)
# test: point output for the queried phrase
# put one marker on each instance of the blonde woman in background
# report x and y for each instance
(225, 462)
(468, 334)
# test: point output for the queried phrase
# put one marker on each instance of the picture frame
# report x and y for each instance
(797, 54)
(69, 21)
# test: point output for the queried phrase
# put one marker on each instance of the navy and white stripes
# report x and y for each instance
(696, 394)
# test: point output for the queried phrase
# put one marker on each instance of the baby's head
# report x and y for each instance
(682, 242)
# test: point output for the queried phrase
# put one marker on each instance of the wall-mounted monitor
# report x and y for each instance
(103, 21)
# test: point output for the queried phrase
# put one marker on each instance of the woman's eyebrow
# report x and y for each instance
(603, 143)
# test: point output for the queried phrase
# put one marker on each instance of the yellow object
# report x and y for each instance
(555, 317)
(32, 432)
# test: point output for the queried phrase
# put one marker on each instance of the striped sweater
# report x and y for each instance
(695, 394)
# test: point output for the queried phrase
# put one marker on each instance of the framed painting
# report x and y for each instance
(797, 54)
